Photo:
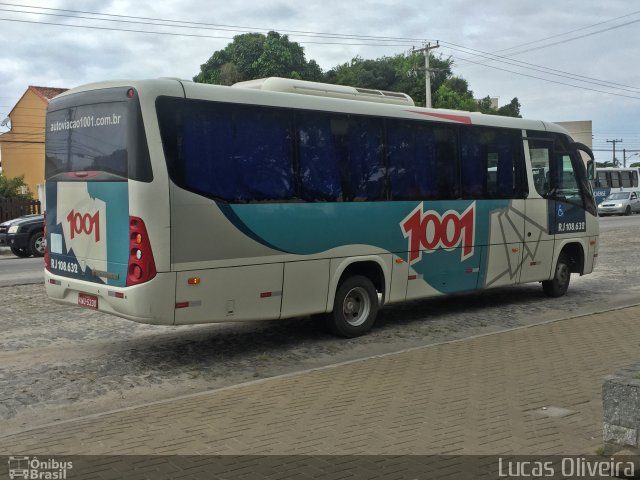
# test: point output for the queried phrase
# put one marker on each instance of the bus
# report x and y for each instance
(614, 179)
(173, 202)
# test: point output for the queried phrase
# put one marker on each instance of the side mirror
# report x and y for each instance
(590, 163)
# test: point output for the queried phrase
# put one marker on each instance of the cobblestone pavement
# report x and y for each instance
(58, 362)
(533, 390)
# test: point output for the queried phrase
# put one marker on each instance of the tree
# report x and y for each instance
(254, 55)
(12, 187)
(512, 109)
(400, 73)
(636, 164)
(454, 94)
(405, 73)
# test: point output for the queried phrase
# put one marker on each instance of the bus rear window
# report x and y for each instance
(87, 138)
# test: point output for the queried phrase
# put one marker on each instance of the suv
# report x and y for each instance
(24, 235)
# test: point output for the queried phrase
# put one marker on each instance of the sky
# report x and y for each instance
(565, 60)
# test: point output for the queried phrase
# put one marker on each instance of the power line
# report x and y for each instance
(546, 70)
(566, 33)
(195, 25)
(555, 81)
(149, 21)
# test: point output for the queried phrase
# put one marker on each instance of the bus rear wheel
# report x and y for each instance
(558, 285)
(355, 308)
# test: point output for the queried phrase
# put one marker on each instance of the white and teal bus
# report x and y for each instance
(609, 180)
(172, 202)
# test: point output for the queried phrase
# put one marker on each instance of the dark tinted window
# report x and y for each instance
(320, 139)
(411, 150)
(240, 153)
(87, 138)
(627, 179)
(365, 159)
(230, 152)
(492, 165)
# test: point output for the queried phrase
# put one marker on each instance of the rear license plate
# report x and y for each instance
(88, 301)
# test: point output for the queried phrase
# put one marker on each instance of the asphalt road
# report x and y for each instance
(20, 271)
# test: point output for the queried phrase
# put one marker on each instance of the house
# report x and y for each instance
(22, 147)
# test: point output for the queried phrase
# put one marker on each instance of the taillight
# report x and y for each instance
(47, 264)
(142, 267)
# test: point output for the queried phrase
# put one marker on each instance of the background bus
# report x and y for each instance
(614, 179)
(173, 202)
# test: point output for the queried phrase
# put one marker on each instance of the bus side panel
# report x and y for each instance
(252, 292)
(537, 262)
(503, 254)
(305, 289)
(399, 279)
(592, 257)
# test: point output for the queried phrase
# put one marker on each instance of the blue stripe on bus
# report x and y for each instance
(313, 228)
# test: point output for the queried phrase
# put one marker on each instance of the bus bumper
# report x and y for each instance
(152, 302)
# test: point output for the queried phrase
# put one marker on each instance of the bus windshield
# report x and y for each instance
(87, 138)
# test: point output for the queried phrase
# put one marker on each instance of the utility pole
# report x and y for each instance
(427, 72)
(614, 149)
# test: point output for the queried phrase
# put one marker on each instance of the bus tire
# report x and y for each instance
(558, 285)
(355, 308)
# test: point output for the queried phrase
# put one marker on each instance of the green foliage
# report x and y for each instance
(512, 109)
(449, 96)
(11, 187)
(400, 73)
(637, 164)
(254, 55)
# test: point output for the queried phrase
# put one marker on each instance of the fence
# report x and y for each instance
(14, 207)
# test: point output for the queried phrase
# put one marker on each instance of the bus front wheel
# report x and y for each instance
(558, 285)
(355, 307)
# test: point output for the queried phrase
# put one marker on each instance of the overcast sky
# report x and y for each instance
(564, 60)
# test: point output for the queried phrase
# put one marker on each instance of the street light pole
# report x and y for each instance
(624, 157)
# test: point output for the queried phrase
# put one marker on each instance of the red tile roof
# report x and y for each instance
(47, 93)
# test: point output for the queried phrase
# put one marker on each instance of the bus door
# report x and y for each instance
(557, 202)
(539, 211)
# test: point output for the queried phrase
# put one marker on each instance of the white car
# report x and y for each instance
(620, 203)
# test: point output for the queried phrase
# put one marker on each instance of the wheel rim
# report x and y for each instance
(563, 275)
(356, 306)
(40, 244)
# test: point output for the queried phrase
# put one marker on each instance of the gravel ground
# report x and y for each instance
(57, 362)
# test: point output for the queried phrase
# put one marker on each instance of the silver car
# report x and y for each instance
(620, 203)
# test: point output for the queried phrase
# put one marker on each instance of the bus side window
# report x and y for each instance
(410, 148)
(320, 178)
(540, 154)
(365, 159)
